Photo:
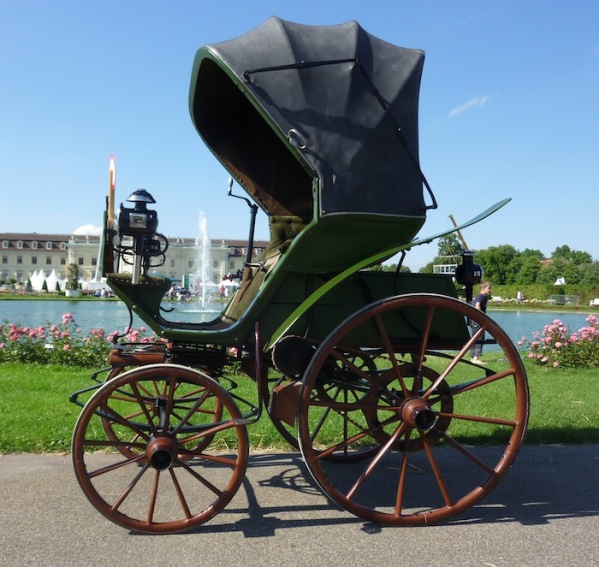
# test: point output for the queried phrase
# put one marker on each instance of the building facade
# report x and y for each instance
(23, 255)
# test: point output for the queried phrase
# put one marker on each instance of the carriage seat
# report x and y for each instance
(283, 229)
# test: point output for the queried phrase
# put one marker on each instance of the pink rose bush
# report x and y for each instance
(62, 343)
(556, 346)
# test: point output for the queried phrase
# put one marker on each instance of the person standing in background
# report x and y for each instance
(480, 302)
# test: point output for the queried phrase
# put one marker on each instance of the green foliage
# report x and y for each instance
(572, 272)
(589, 273)
(449, 251)
(529, 271)
(537, 294)
(504, 265)
(501, 264)
(60, 343)
(389, 268)
(557, 347)
(531, 253)
(72, 277)
(449, 245)
(575, 256)
(550, 271)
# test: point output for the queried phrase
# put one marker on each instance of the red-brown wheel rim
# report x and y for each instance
(335, 389)
(437, 452)
(151, 389)
(171, 481)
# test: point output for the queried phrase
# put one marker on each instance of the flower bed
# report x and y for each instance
(556, 346)
(62, 343)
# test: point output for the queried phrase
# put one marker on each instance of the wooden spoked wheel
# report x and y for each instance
(121, 436)
(168, 479)
(339, 384)
(445, 430)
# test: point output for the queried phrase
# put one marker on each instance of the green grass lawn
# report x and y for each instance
(36, 414)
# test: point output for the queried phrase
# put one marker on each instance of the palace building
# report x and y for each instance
(24, 254)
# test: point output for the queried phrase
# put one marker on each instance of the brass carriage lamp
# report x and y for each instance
(140, 224)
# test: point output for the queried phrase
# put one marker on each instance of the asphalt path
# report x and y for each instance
(545, 512)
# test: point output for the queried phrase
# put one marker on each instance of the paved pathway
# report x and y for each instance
(544, 513)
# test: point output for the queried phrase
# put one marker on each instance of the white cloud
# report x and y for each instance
(88, 229)
(476, 101)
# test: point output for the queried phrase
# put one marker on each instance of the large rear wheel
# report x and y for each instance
(338, 385)
(442, 431)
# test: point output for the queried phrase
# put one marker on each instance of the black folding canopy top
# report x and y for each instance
(314, 120)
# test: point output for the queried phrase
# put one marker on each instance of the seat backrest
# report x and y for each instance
(283, 229)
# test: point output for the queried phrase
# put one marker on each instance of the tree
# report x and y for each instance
(562, 252)
(590, 273)
(551, 271)
(529, 270)
(72, 277)
(500, 263)
(531, 253)
(566, 263)
(504, 264)
(389, 268)
(576, 256)
(428, 268)
(572, 273)
(449, 245)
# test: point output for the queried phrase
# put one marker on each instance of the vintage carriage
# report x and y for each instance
(365, 371)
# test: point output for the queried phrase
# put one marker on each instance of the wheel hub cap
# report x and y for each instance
(416, 413)
(161, 453)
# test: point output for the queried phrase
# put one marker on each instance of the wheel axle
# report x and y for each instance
(161, 453)
(416, 412)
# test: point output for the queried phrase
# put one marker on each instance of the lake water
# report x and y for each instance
(518, 324)
(114, 316)
(109, 315)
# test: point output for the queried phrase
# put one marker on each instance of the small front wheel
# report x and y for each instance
(149, 454)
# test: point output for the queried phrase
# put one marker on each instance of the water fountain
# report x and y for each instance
(204, 286)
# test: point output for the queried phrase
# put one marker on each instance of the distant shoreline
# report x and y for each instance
(543, 308)
(540, 308)
(51, 297)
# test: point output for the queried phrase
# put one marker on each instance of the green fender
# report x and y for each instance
(323, 290)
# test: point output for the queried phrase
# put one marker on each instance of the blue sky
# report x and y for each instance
(509, 107)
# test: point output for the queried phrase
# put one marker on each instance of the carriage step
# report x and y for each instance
(284, 402)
